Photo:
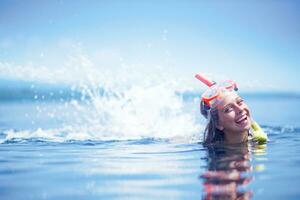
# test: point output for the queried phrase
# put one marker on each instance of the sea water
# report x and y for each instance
(140, 142)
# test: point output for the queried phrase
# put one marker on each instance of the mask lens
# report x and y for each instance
(210, 95)
(229, 85)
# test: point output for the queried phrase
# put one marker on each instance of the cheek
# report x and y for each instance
(226, 119)
(247, 110)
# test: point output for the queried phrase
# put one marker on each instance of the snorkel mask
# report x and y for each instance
(212, 96)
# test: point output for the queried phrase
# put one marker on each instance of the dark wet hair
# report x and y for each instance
(211, 133)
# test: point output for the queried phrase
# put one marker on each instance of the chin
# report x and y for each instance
(244, 125)
(247, 128)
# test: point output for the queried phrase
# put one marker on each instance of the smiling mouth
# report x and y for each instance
(242, 119)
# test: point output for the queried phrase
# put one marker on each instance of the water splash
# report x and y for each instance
(120, 105)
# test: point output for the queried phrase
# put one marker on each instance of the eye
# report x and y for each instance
(228, 109)
(240, 101)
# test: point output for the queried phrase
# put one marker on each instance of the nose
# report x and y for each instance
(239, 109)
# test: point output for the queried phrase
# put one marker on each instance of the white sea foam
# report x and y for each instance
(120, 105)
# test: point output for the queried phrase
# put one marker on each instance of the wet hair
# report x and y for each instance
(211, 133)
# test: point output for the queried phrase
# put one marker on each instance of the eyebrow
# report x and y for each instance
(230, 104)
(226, 106)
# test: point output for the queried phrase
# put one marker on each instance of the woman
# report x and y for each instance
(228, 116)
(228, 121)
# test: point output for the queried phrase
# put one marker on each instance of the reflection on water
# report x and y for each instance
(229, 171)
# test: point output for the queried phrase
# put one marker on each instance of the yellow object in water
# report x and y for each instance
(258, 134)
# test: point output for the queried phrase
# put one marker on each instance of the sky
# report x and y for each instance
(256, 43)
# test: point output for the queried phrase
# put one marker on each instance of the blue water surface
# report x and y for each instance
(150, 168)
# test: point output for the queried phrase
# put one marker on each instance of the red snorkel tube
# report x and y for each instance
(204, 80)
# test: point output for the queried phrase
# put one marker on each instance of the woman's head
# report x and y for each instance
(234, 114)
(228, 120)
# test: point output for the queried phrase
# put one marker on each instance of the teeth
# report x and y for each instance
(241, 119)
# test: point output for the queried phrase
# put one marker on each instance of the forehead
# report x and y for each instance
(227, 98)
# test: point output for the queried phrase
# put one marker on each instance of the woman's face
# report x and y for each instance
(234, 114)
